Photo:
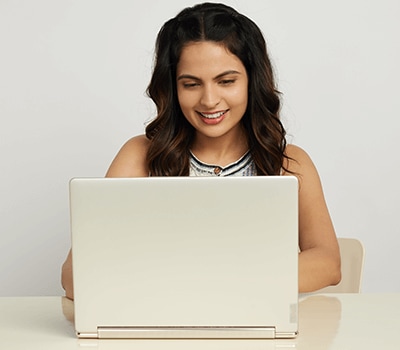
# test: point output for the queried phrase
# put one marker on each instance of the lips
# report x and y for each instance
(213, 117)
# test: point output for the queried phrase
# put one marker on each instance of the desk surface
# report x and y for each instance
(330, 321)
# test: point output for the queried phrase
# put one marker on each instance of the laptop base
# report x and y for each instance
(186, 333)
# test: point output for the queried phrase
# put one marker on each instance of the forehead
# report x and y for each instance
(207, 58)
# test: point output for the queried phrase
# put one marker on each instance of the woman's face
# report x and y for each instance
(212, 86)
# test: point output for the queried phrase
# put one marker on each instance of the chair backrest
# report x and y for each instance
(352, 254)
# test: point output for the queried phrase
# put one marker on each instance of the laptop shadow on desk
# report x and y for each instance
(319, 321)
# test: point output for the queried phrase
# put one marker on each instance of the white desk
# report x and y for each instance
(334, 321)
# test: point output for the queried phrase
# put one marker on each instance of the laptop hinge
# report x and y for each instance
(186, 332)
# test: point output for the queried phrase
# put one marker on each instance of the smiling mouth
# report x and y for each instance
(215, 115)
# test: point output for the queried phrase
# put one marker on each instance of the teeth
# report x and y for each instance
(213, 115)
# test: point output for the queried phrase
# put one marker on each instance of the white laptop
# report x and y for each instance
(185, 257)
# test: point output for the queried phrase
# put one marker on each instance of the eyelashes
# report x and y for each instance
(223, 82)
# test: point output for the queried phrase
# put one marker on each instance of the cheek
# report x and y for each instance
(186, 100)
(240, 97)
(181, 100)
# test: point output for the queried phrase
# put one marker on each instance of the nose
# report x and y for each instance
(210, 96)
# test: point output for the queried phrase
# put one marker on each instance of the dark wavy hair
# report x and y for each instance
(170, 133)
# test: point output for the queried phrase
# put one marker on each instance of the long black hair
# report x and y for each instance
(170, 133)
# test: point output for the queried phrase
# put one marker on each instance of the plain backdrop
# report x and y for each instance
(73, 76)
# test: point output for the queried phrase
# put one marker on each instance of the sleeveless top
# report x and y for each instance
(243, 167)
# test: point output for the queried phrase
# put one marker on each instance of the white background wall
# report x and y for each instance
(72, 81)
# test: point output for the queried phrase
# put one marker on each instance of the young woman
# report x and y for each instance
(218, 115)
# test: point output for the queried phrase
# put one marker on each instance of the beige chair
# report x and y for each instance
(352, 253)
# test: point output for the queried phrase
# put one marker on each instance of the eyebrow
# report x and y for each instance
(188, 76)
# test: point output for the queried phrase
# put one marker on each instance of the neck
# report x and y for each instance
(221, 150)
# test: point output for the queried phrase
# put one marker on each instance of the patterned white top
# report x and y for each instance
(243, 167)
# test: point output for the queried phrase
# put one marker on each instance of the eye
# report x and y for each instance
(190, 85)
(226, 82)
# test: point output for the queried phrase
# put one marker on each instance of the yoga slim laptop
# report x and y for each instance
(185, 257)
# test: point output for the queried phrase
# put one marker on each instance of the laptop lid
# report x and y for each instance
(184, 257)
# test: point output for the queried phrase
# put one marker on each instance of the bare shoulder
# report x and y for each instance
(299, 162)
(131, 159)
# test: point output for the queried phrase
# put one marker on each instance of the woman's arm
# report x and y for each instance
(66, 276)
(129, 162)
(319, 258)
